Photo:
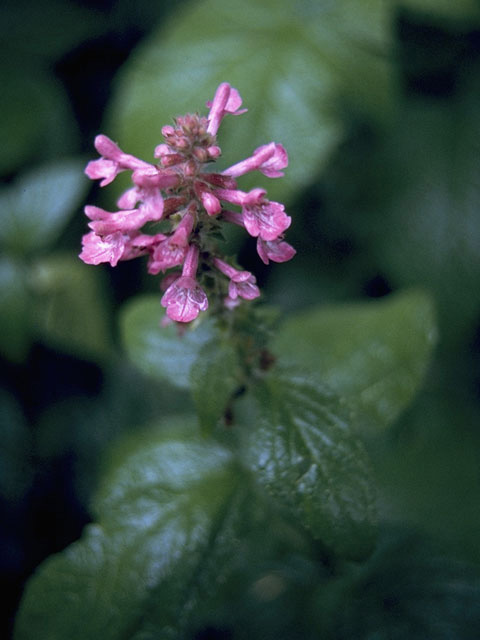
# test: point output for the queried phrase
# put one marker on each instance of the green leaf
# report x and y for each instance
(214, 377)
(302, 449)
(70, 309)
(291, 61)
(375, 354)
(15, 303)
(165, 529)
(37, 207)
(160, 351)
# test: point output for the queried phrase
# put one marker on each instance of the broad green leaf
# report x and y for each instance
(292, 62)
(304, 452)
(214, 377)
(166, 525)
(15, 305)
(375, 353)
(37, 207)
(160, 351)
(70, 310)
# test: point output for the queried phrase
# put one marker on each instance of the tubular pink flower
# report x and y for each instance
(242, 283)
(165, 255)
(242, 198)
(268, 159)
(112, 162)
(209, 200)
(105, 222)
(234, 217)
(182, 232)
(226, 100)
(184, 298)
(267, 220)
(276, 250)
(107, 249)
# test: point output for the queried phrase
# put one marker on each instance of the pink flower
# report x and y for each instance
(267, 220)
(210, 202)
(242, 283)
(110, 248)
(181, 198)
(124, 221)
(226, 100)
(166, 255)
(184, 298)
(276, 250)
(112, 162)
(268, 159)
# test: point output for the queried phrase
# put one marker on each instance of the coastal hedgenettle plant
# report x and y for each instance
(184, 206)
(264, 477)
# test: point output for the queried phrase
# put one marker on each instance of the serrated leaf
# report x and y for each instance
(37, 207)
(69, 306)
(375, 354)
(165, 527)
(15, 303)
(214, 377)
(303, 450)
(160, 351)
(291, 62)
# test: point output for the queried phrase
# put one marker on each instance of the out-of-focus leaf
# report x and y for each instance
(37, 207)
(303, 450)
(15, 305)
(48, 29)
(167, 517)
(374, 353)
(70, 309)
(291, 61)
(16, 471)
(160, 351)
(407, 589)
(214, 377)
(36, 118)
(428, 231)
(427, 470)
(464, 10)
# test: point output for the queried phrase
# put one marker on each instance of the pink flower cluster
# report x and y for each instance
(182, 205)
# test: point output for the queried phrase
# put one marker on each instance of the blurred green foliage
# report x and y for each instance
(378, 104)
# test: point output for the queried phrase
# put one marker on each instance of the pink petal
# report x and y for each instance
(108, 249)
(267, 220)
(276, 250)
(184, 299)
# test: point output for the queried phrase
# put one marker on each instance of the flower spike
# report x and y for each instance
(173, 212)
